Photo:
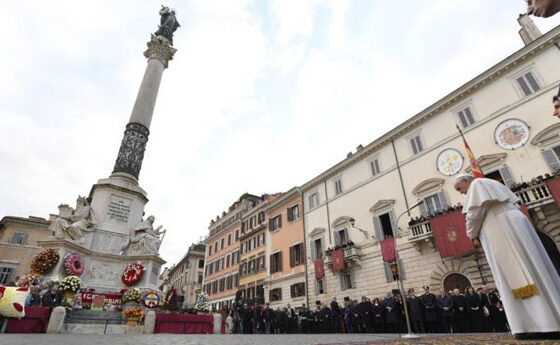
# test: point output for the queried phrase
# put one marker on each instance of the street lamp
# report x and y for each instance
(410, 334)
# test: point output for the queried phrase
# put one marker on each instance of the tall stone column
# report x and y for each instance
(133, 145)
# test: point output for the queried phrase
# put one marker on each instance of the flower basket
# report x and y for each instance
(133, 316)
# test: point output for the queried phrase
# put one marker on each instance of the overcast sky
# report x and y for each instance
(260, 97)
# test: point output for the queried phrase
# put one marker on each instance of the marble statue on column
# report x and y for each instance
(145, 240)
(73, 224)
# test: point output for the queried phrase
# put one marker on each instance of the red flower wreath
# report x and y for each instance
(132, 274)
(74, 264)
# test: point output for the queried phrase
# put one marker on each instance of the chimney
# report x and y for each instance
(529, 31)
(359, 147)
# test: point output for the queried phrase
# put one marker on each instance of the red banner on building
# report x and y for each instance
(319, 268)
(554, 187)
(388, 249)
(338, 260)
(451, 235)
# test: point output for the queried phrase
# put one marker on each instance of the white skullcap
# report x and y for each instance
(462, 177)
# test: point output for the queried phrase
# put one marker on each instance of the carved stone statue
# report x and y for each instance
(73, 224)
(145, 240)
(168, 23)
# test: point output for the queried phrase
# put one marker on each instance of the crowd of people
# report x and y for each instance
(452, 311)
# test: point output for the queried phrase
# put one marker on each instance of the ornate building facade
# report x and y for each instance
(187, 275)
(353, 209)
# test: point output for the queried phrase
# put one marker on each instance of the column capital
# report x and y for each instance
(160, 48)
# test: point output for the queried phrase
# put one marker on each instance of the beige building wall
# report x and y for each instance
(188, 274)
(289, 235)
(493, 97)
(18, 245)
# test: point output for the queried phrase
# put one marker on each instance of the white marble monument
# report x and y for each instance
(108, 229)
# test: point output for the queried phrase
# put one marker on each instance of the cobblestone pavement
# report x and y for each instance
(174, 339)
(291, 339)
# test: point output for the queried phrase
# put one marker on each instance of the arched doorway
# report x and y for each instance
(551, 249)
(456, 281)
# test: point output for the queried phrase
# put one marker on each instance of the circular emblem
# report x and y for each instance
(132, 274)
(511, 134)
(449, 162)
(150, 300)
(74, 264)
(451, 235)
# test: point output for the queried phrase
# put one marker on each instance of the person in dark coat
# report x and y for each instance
(445, 307)
(460, 309)
(336, 317)
(429, 304)
(306, 319)
(501, 318)
(378, 312)
(246, 319)
(489, 301)
(267, 316)
(53, 298)
(475, 314)
(34, 298)
(392, 314)
(327, 323)
(348, 317)
(415, 312)
(365, 310)
(291, 319)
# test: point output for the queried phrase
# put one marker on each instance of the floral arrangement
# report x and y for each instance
(131, 295)
(28, 279)
(202, 302)
(74, 264)
(132, 274)
(44, 261)
(71, 283)
(133, 313)
(151, 300)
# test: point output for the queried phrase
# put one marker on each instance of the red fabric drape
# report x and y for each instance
(451, 235)
(525, 211)
(554, 187)
(35, 321)
(388, 249)
(184, 323)
(338, 260)
(319, 268)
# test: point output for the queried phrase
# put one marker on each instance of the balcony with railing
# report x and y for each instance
(534, 195)
(351, 254)
(420, 231)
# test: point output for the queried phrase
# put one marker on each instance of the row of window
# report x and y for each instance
(253, 243)
(221, 284)
(527, 83)
(297, 257)
(292, 214)
(253, 222)
(223, 242)
(222, 263)
(252, 266)
(296, 290)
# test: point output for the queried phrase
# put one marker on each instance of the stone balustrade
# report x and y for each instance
(420, 231)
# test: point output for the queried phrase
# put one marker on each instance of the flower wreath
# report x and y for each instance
(44, 261)
(132, 274)
(74, 264)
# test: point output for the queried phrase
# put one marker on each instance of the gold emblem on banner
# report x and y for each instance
(451, 235)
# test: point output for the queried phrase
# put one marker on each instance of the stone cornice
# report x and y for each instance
(37, 222)
(451, 99)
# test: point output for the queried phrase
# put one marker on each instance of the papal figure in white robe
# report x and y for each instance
(525, 276)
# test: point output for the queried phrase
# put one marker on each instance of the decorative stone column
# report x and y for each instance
(133, 145)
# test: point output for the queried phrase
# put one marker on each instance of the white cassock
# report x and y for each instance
(528, 283)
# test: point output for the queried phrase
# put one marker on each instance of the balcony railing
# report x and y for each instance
(534, 195)
(420, 231)
(350, 253)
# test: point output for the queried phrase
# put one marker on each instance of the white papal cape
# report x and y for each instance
(506, 234)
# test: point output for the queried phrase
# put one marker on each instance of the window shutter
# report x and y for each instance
(524, 86)
(290, 215)
(551, 160)
(352, 279)
(14, 238)
(532, 81)
(506, 176)
(393, 223)
(388, 274)
(423, 208)
(413, 144)
(313, 251)
(316, 286)
(292, 288)
(443, 200)
(279, 262)
(272, 264)
(378, 229)
(270, 223)
(336, 238)
(302, 255)
(401, 270)
(342, 282)
(461, 115)
(469, 116)
(279, 221)
(292, 258)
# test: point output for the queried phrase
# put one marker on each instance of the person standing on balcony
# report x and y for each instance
(524, 274)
